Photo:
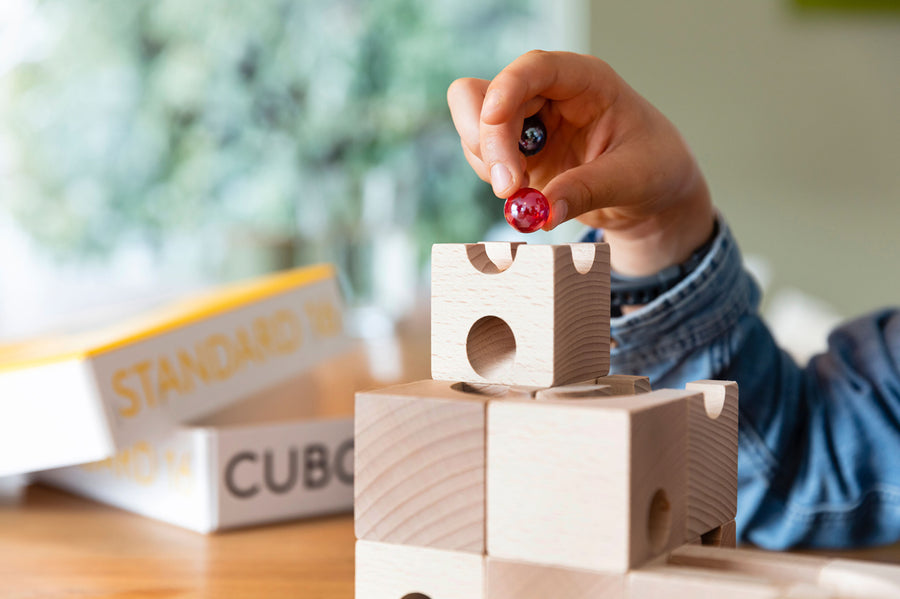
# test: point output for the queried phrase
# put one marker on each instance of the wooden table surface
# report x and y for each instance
(53, 544)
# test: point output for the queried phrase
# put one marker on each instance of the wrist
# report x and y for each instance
(632, 293)
(666, 239)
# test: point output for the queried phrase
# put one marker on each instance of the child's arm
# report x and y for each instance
(818, 446)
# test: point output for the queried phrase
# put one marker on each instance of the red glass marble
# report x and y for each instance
(527, 210)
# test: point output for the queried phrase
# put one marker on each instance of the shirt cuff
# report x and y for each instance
(702, 307)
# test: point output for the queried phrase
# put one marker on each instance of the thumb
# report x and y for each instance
(605, 182)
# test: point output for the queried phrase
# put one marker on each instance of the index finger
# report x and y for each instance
(466, 98)
(554, 75)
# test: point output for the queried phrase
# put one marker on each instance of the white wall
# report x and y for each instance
(795, 118)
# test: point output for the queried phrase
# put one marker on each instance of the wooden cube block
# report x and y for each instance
(712, 456)
(420, 465)
(625, 384)
(612, 385)
(507, 579)
(685, 583)
(517, 314)
(759, 566)
(386, 571)
(585, 391)
(594, 484)
(857, 578)
(720, 536)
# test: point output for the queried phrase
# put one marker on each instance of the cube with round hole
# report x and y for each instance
(388, 571)
(713, 424)
(596, 484)
(518, 314)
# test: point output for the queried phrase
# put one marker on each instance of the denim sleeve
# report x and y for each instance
(819, 447)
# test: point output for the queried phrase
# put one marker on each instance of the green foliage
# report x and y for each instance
(151, 118)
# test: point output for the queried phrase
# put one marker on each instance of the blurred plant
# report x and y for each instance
(148, 119)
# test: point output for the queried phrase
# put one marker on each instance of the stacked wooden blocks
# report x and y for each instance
(523, 470)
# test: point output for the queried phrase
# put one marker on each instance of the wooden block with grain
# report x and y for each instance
(420, 465)
(760, 565)
(612, 385)
(712, 450)
(518, 314)
(386, 571)
(507, 579)
(585, 391)
(854, 579)
(593, 484)
(689, 583)
(625, 384)
(720, 536)
(804, 575)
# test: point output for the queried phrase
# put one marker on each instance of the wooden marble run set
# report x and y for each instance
(524, 471)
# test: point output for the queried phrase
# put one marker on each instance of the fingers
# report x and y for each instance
(521, 89)
(477, 165)
(489, 116)
(465, 98)
(553, 75)
(602, 183)
(499, 150)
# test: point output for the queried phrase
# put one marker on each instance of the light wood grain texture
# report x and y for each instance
(690, 583)
(819, 576)
(57, 545)
(585, 391)
(605, 386)
(594, 484)
(860, 580)
(420, 459)
(625, 384)
(721, 536)
(507, 579)
(748, 562)
(517, 314)
(712, 449)
(385, 571)
(701, 572)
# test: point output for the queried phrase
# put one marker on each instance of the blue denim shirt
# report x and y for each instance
(819, 446)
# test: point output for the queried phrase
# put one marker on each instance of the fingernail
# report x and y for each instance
(500, 179)
(558, 212)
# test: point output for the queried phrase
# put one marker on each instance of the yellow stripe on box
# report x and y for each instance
(171, 316)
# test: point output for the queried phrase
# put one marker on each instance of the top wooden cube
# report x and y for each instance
(517, 314)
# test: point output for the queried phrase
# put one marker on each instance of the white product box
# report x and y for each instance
(81, 397)
(283, 454)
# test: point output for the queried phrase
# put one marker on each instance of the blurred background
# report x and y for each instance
(150, 147)
(793, 110)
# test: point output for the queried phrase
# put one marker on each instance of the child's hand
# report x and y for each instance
(611, 160)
